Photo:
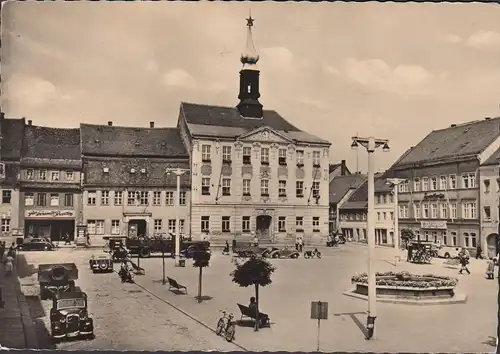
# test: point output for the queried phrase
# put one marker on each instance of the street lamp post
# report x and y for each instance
(370, 144)
(395, 182)
(178, 172)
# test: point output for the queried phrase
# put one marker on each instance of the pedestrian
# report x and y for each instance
(463, 257)
(336, 240)
(12, 251)
(2, 250)
(301, 244)
(9, 265)
(256, 241)
(479, 252)
(490, 269)
(66, 239)
(297, 238)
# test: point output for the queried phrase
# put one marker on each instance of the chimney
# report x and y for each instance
(487, 118)
(30, 122)
(2, 115)
(110, 123)
(453, 125)
(343, 170)
(151, 124)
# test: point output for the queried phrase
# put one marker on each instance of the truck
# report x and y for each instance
(145, 246)
(56, 278)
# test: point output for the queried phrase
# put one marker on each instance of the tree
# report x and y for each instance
(257, 272)
(201, 259)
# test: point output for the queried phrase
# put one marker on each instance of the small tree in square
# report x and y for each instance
(201, 260)
(257, 272)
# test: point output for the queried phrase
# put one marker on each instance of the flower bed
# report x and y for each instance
(407, 285)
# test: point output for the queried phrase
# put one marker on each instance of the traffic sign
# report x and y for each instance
(319, 310)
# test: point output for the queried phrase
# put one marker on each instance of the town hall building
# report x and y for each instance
(253, 172)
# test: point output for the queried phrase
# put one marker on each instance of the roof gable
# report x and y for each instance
(457, 141)
(103, 140)
(265, 134)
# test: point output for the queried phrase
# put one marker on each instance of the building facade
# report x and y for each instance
(50, 197)
(128, 186)
(440, 199)
(341, 188)
(254, 173)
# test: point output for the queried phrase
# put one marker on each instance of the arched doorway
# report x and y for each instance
(492, 243)
(263, 226)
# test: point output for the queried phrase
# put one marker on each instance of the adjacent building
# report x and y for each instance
(253, 172)
(128, 185)
(338, 169)
(440, 199)
(50, 169)
(340, 189)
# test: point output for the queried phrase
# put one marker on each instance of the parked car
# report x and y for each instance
(101, 263)
(283, 253)
(69, 317)
(36, 244)
(190, 251)
(448, 252)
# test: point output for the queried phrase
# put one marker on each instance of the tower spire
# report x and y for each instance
(249, 105)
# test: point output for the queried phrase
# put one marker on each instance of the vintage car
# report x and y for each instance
(283, 253)
(56, 278)
(36, 244)
(69, 317)
(101, 263)
(448, 252)
(192, 249)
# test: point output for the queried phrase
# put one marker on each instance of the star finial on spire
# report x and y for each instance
(250, 20)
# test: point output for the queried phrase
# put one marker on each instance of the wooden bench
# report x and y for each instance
(247, 312)
(173, 284)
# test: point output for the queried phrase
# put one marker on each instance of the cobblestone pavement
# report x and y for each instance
(125, 316)
(466, 327)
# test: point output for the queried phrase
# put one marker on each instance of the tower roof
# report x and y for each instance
(249, 56)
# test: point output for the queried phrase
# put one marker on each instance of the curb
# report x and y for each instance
(185, 313)
(30, 338)
(456, 299)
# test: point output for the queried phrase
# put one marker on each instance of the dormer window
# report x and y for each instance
(132, 170)
(105, 169)
(143, 170)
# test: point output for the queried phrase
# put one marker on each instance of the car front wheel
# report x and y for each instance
(447, 255)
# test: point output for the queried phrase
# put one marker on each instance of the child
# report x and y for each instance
(490, 270)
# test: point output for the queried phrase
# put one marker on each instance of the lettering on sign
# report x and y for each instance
(50, 213)
(433, 225)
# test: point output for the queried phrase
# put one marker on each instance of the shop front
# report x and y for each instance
(53, 224)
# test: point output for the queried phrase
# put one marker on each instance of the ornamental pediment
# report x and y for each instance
(265, 134)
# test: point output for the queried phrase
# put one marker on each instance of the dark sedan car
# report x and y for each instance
(36, 244)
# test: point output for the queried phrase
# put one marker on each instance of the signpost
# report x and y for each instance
(319, 311)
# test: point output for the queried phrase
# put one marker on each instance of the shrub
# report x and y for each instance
(400, 279)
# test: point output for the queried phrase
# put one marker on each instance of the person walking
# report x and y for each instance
(490, 269)
(9, 265)
(479, 252)
(2, 250)
(301, 244)
(297, 238)
(256, 241)
(463, 257)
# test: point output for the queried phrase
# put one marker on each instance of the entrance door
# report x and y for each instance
(263, 226)
(492, 241)
(138, 226)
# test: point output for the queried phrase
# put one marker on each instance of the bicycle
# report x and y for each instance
(226, 325)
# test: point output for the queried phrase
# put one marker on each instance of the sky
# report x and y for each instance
(335, 70)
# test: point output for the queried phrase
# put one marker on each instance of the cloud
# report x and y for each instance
(452, 38)
(37, 48)
(33, 91)
(318, 104)
(484, 39)
(330, 69)
(178, 78)
(151, 67)
(277, 59)
(377, 74)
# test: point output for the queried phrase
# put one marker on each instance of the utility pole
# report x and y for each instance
(371, 144)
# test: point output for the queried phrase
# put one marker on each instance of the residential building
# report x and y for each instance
(128, 186)
(440, 199)
(489, 190)
(253, 172)
(340, 189)
(11, 131)
(50, 198)
(353, 213)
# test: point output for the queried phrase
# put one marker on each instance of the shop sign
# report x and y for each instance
(439, 225)
(54, 214)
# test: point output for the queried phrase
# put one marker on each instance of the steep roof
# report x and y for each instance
(12, 131)
(218, 121)
(119, 175)
(494, 159)
(333, 167)
(456, 141)
(104, 140)
(340, 185)
(51, 143)
(361, 194)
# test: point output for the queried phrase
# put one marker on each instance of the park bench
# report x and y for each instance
(247, 312)
(175, 285)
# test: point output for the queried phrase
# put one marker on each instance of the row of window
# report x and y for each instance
(470, 238)
(264, 187)
(245, 224)
(48, 199)
(439, 211)
(43, 175)
(384, 199)
(97, 227)
(227, 153)
(443, 183)
(135, 198)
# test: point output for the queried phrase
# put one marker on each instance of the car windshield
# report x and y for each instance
(70, 303)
